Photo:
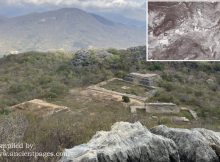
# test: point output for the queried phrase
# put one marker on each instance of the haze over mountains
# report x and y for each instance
(2, 18)
(123, 19)
(66, 28)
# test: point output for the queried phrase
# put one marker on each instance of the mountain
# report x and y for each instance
(68, 29)
(122, 19)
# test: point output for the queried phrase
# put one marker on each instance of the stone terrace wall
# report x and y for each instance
(163, 108)
(142, 79)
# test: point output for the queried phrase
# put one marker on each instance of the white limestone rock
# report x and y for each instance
(125, 142)
(194, 145)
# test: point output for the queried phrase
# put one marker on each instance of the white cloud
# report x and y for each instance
(81, 3)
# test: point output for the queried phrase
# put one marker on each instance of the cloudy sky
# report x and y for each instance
(129, 8)
(82, 3)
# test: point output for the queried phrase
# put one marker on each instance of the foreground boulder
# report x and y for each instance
(125, 142)
(195, 145)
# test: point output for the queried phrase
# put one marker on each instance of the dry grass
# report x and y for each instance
(126, 87)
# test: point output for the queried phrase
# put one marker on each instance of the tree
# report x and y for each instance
(126, 99)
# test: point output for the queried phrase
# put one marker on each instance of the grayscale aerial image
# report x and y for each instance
(183, 30)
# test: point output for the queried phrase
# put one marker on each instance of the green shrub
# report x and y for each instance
(5, 111)
(125, 99)
(56, 89)
(156, 67)
(113, 51)
(167, 77)
(19, 87)
(43, 80)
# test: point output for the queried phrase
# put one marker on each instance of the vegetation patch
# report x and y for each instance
(50, 77)
(126, 99)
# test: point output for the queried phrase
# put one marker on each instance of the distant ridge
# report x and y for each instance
(66, 28)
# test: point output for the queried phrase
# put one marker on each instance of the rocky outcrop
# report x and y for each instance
(89, 57)
(193, 145)
(124, 143)
(128, 142)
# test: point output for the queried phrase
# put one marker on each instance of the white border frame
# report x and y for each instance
(147, 39)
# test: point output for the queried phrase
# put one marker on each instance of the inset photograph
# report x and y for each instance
(180, 31)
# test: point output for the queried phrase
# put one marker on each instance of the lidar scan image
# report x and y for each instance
(183, 31)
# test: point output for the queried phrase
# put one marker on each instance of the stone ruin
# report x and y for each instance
(158, 108)
(39, 108)
(142, 79)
